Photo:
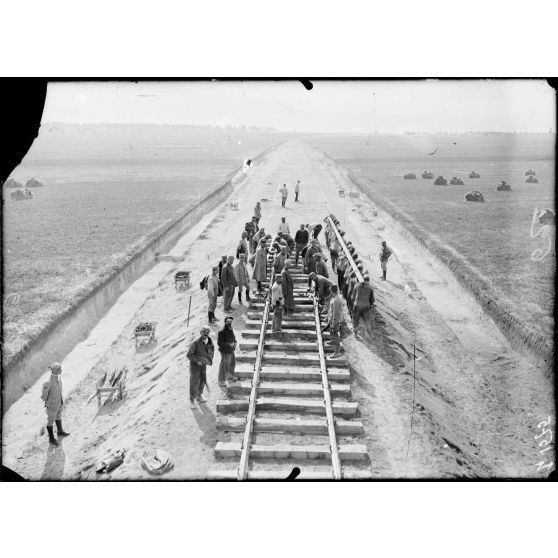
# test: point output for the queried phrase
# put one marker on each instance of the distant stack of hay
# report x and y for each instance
(440, 181)
(427, 174)
(474, 196)
(20, 194)
(410, 176)
(456, 181)
(503, 187)
(11, 183)
(530, 172)
(532, 179)
(33, 183)
(474, 174)
(547, 217)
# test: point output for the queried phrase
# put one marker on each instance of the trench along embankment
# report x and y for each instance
(56, 340)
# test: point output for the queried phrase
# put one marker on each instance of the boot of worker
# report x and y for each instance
(239, 296)
(60, 429)
(51, 437)
(248, 295)
(209, 317)
(385, 273)
(214, 320)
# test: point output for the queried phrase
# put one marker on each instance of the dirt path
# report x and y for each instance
(478, 403)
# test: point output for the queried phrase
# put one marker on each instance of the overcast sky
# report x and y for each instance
(333, 106)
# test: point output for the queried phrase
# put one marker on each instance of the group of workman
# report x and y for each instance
(261, 249)
(228, 276)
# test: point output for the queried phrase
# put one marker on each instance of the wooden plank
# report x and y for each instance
(303, 335)
(303, 309)
(285, 345)
(345, 408)
(282, 388)
(300, 359)
(297, 317)
(347, 452)
(292, 374)
(304, 426)
(282, 474)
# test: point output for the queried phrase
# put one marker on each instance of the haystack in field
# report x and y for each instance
(503, 187)
(427, 174)
(474, 174)
(34, 183)
(20, 195)
(11, 183)
(440, 181)
(530, 173)
(410, 176)
(456, 181)
(474, 196)
(531, 179)
(547, 217)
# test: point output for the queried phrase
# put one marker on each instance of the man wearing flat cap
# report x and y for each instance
(54, 401)
(200, 355)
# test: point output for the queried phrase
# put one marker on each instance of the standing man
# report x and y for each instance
(212, 291)
(226, 341)
(284, 226)
(279, 260)
(288, 289)
(256, 239)
(229, 284)
(277, 305)
(320, 266)
(289, 240)
(334, 321)
(258, 212)
(200, 354)
(385, 253)
(341, 265)
(250, 229)
(284, 194)
(242, 278)
(222, 263)
(260, 264)
(242, 247)
(54, 402)
(297, 190)
(301, 240)
(364, 298)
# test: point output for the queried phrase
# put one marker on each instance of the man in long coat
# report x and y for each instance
(279, 260)
(256, 239)
(320, 266)
(54, 403)
(242, 277)
(200, 354)
(288, 288)
(212, 292)
(242, 247)
(260, 264)
(229, 284)
(258, 212)
(226, 341)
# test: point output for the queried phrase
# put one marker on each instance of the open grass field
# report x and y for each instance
(495, 236)
(106, 196)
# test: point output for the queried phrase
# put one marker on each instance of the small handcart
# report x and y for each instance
(145, 333)
(181, 280)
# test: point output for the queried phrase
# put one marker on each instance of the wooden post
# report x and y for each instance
(189, 306)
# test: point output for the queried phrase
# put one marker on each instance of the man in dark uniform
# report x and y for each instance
(364, 298)
(200, 354)
(226, 341)
(301, 240)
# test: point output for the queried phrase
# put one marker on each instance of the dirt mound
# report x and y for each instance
(34, 183)
(503, 187)
(474, 196)
(474, 174)
(456, 181)
(531, 179)
(19, 195)
(410, 176)
(440, 181)
(11, 183)
(427, 174)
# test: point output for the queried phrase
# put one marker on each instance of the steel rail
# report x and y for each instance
(352, 263)
(330, 419)
(251, 414)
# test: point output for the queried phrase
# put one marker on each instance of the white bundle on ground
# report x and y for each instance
(157, 461)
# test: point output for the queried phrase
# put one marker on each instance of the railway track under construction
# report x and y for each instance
(292, 406)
